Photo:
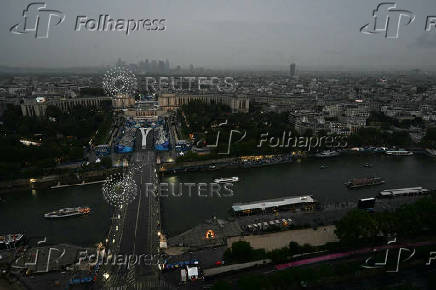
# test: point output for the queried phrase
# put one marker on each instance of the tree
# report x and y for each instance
(239, 252)
(355, 225)
(106, 162)
(429, 139)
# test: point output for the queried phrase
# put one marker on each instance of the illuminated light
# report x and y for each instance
(33, 180)
(159, 233)
(210, 234)
(116, 228)
(113, 241)
(29, 143)
(119, 81)
(119, 190)
(106, 276)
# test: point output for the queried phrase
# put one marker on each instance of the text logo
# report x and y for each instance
(387, 19)
(370, 264)
(37, 19)
(230, 140)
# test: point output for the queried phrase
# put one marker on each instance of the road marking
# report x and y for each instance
(137, 217)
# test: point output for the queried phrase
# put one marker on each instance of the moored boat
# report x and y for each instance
(404, 191)
(67, 212)
(327, 153)
(226, 180)
(400, 152)
(10, 239)
(362, 182)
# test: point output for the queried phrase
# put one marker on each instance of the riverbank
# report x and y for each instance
(228, 163)
(314, 237)
(56, 181)
(266, 160)
(306, 227)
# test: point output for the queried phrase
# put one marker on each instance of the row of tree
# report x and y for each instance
(62, 137)
(406, 221)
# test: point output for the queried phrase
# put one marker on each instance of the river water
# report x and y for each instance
(295, 179)
(23, 211)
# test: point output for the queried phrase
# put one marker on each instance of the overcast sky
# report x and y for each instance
(223, 34)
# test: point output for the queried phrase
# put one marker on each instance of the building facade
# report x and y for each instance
(33, 108)
(239, 104)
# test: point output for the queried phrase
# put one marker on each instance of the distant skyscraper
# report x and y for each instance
(147, 66)
(167, 66)
(292, 70)
(120, 62)
(161, 66)
(153, 65)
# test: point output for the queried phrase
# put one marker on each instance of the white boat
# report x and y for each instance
(400, 152)
(327, 153)
(404, 191)
(431, 152)
(226, 180)
(59, 185)
(67, 212)
(10, 239)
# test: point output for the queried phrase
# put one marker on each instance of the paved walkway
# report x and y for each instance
(279, 240)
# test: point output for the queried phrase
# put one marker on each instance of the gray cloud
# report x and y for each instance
(221, 34)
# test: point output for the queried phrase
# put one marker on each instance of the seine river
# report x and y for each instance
(294, 179)
(23, 212)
